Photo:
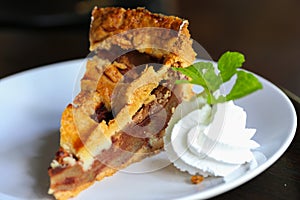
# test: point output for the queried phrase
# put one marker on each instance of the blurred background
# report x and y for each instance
(35, 33)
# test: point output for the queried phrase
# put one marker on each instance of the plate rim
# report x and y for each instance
(217, 190)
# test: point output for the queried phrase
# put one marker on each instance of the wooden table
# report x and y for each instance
(267, 32)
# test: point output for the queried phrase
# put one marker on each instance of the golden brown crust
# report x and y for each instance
(93, 128)
(110, 21)
(154, 34)
(70, 178)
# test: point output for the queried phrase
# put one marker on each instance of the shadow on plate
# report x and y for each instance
(48, 145)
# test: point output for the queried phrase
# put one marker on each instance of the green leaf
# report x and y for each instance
(193, 74)
(204, 74)
(182, 81)
(228, 64)
(245, 84)
(211, 80)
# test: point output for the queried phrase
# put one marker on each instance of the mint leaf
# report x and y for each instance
(182, 81)
(201, 73)
(228, 64)
(194, 75)
(211, 79)
(204, 74)
(245, 84)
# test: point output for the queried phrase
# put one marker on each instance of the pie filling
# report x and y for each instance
(140, 138)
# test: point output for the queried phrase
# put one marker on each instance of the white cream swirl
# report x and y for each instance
(211, 141)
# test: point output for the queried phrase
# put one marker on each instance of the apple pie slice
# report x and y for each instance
(128, 94)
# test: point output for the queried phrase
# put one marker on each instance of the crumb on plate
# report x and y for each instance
(196, 179)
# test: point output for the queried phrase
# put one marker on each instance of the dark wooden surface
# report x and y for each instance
(267, 32)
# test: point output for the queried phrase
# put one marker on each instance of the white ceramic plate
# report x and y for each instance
(31, 104)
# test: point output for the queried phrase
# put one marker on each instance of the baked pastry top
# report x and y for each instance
(155, 34)
(128, 94)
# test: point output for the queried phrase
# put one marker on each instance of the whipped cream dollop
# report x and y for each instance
(209, 140)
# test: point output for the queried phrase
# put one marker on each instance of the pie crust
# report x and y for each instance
(126, 99)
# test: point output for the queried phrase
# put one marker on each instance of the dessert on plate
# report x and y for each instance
(128, 105)
(128, 94)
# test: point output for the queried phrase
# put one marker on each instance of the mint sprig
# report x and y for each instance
(204, 74)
